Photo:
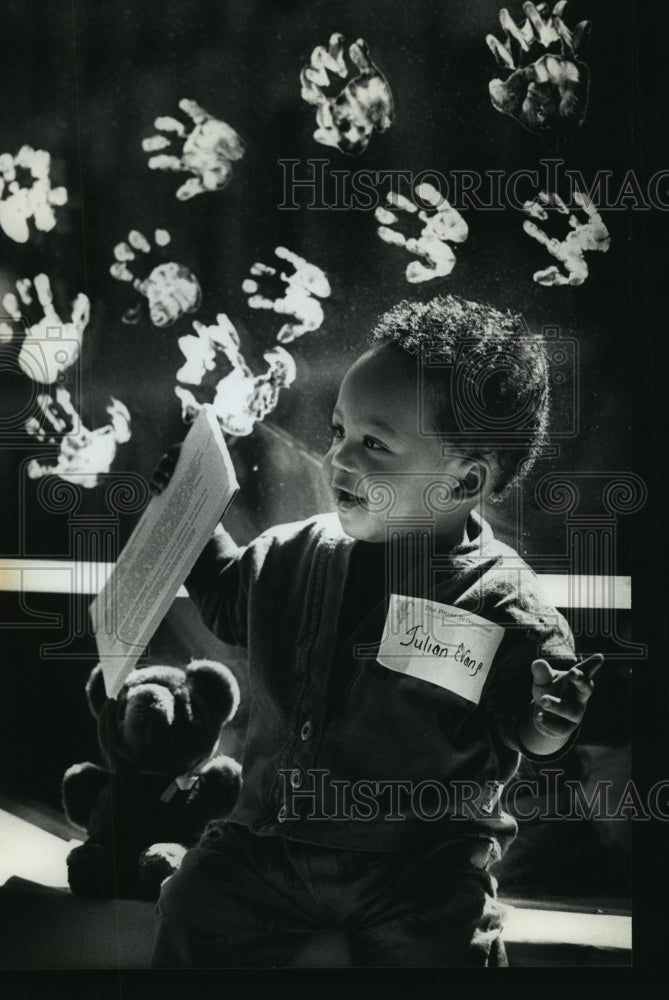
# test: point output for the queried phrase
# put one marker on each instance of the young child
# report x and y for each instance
(399, 664)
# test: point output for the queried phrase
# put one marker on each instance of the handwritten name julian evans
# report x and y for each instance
(428, 644)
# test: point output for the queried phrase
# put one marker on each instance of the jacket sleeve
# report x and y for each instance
(533, 630)
(219, 583)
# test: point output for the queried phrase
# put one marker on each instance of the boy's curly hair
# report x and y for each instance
(485, 378)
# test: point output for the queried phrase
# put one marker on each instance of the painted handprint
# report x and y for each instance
(84, 455)
(208, 151)
(347, 118)
(585, 236)
(305, 282)
(241, 398)
(170, 289)
(26, 193)
(548, 95)
(440, 224)
(49, 346)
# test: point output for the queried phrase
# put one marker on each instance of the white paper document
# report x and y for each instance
(162, 550)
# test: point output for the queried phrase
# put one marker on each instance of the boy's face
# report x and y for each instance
(379, 465)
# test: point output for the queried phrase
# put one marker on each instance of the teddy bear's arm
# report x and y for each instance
(217, 789)
(82, 784)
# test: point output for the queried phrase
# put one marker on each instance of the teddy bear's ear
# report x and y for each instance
(216, 684)
(95, 690)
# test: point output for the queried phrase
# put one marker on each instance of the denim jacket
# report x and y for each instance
(399, 760)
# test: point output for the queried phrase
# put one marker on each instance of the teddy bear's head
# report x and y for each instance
(165, 719)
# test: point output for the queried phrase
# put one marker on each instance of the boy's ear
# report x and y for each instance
(476, 479)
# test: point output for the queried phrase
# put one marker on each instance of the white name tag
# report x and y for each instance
(440, 644)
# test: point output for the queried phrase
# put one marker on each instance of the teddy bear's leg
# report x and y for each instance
(90, 870)
(156, 863)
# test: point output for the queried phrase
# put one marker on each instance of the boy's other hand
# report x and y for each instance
(560, 696)
(164, 470)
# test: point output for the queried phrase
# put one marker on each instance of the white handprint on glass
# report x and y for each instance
(170, 289)
(549, 95)
(84, 455)
(21, 201)
(347, 120)
(241, 398)
(208, 152)
(298, 301)
(442, 223)
(49, 346)
(590, 235)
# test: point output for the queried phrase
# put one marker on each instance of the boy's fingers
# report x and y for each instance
(584, 686)
(167, 461)
(164, 470)
(548, 701)
(560, 707)
(590, 666)
(553, 725)
(158, 483)
(542, 673)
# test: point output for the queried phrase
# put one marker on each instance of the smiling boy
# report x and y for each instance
(399, 664)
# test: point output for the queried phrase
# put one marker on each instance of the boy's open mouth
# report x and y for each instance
(346, 499)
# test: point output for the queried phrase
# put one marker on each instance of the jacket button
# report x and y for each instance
(307, 730)
(295, 778)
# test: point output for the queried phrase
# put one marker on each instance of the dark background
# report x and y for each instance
(85, 81)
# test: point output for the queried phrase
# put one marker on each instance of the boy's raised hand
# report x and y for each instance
(164, 470)
(560, 696)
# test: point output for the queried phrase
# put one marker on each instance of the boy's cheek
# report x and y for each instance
(326, 462)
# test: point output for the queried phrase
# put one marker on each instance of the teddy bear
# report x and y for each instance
(163, 780)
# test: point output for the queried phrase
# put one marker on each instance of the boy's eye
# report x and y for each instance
(371, 443)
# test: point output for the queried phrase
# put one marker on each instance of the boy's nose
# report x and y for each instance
(342, 456)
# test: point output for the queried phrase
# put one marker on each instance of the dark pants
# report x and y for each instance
(241, 901)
